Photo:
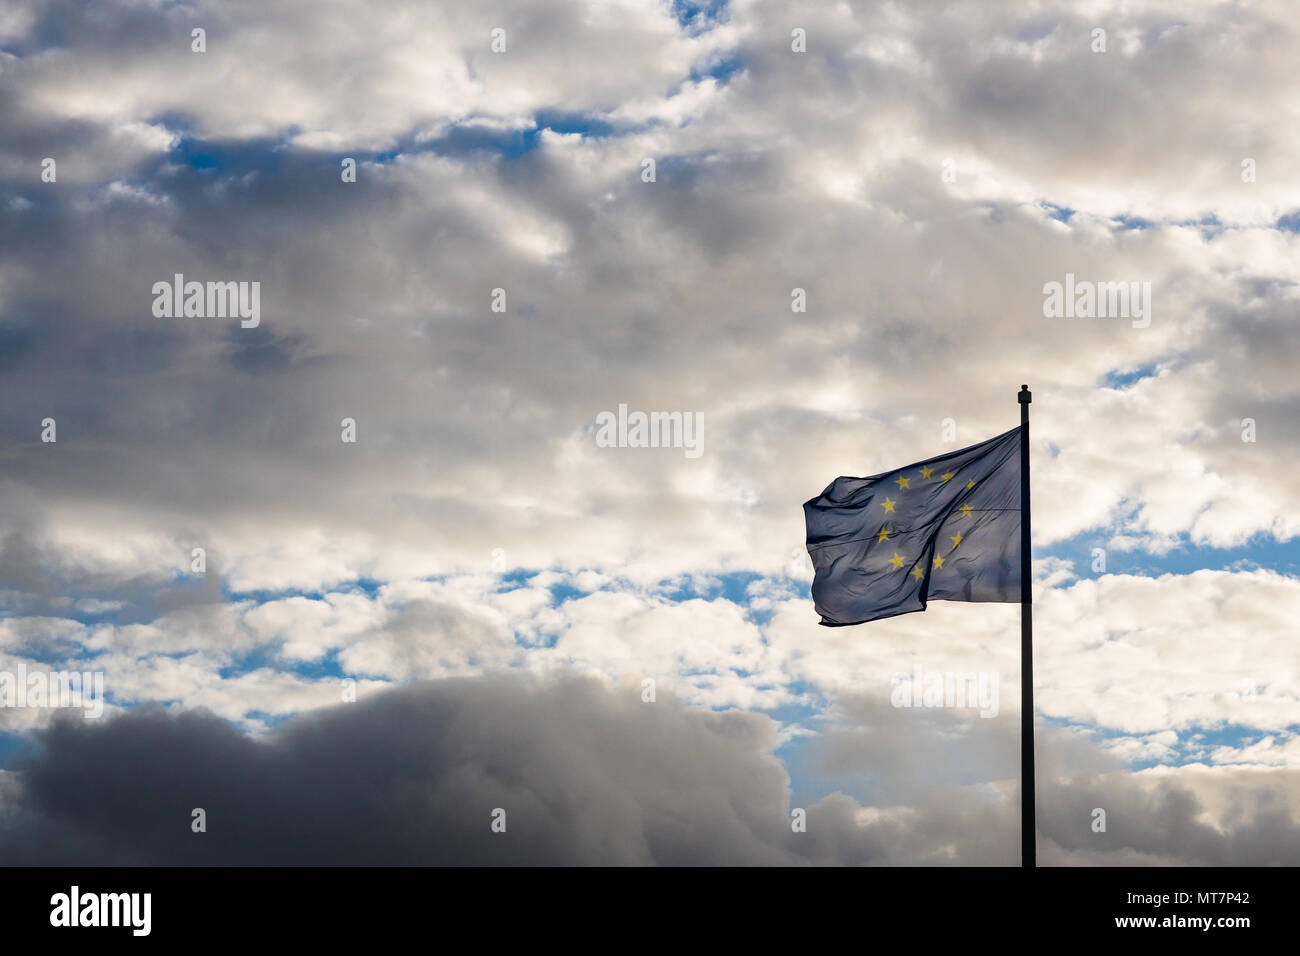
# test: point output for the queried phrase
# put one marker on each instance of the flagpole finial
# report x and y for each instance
(1025, 396)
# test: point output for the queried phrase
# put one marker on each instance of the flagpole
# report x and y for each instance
(1028, 832)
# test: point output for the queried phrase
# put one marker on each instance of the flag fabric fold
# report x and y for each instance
(944, 529)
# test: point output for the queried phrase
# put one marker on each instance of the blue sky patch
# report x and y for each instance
(1059, 213)
(1261, 551)
(697, 16)
(1123, 378)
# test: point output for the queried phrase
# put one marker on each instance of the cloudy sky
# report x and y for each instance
(616, 206)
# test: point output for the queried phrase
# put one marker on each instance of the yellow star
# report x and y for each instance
(957, 539)
(883, 536)
(926, 472)
(918, 573)
(947, 477)
(970, 484)
(889, 505)
(902, 482)
(896, 561)
(938, 561)
(965, 511)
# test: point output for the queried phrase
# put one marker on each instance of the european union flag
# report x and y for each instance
(945, 529)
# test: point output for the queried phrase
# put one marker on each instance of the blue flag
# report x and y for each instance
(945, 529)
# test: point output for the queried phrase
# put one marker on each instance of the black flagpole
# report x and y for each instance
(1028, 833)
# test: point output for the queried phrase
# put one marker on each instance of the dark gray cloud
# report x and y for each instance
(586, 775)
(412, 777)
